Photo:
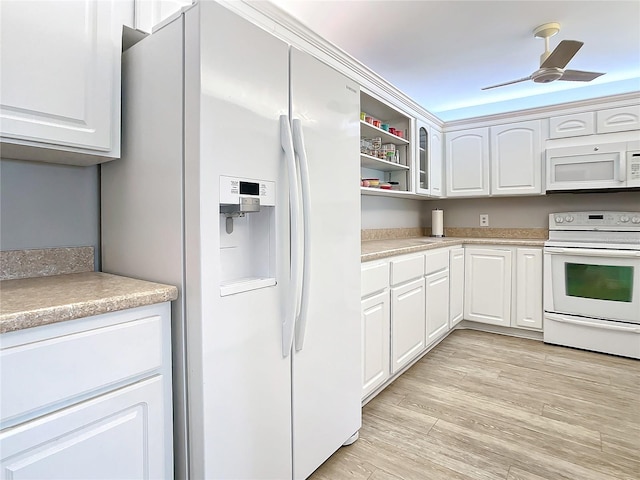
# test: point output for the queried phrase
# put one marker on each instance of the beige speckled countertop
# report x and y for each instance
(377, 249)
(31, 302)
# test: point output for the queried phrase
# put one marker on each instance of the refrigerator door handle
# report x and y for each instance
(298, 145)
(288, 326)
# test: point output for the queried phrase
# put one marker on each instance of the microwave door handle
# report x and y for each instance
(622, 171)
(592, 252)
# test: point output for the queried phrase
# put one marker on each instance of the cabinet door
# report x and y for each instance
(61, 74)
(516, 159)
(435, 160)
(528, 288)
(467, 160)
(376, 341)
(116, 435)
(150, 13)
(573, 125)
(423, 177)
(619, 119)
(456, 286)
(407, 323)
(487, 290)
(437, 305)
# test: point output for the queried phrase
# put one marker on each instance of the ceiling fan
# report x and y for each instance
(552, 63)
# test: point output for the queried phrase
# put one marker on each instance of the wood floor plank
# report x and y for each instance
(516, 473)
(382, 475)
(578, 465)
(492, 407)
(349, 466)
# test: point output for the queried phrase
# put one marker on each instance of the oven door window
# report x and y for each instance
(600, 282)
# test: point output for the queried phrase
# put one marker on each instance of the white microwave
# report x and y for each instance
(593, 167)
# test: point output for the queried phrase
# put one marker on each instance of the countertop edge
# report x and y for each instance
(148, 293)
(388, 250)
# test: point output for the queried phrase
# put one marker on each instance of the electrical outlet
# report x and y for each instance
(484, 219)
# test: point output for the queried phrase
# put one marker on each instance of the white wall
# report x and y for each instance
(528, 212)
(47, 205)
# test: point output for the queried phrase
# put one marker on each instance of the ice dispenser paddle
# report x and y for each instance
(247, 234)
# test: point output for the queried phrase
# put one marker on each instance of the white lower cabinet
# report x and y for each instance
(487, 286)
(437, 291)
(503, 286)
(376, 325)
(88, 398)
(117, 435)
(456, 286)
(407, 322)
(437, 294)
(528, 288)
(375, 341)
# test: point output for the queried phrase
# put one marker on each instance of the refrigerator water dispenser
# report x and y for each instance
(247, 234)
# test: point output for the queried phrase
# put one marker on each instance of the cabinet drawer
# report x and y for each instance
(374, 278)
(436, 261)
(406, 269)
(40, 375)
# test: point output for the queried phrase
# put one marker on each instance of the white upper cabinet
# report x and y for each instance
(467, 160)
(428, 157)
(60, 64)
(422, 170)
(437, 188)
(619, 119)
(150, 13)
(573, 125)
(516, 159)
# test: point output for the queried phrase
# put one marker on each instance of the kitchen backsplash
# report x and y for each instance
(45, 262)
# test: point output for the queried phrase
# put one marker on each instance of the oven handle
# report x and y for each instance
(587, 323)
(593, 252)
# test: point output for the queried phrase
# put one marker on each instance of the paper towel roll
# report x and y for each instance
(437, 223)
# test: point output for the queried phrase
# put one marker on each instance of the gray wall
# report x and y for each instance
(48, 205)
(528, 212)
(512, 212)
(382, 212)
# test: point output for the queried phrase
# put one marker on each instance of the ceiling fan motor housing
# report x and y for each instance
(546, 75)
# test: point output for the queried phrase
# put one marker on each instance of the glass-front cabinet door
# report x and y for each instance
(422, 159)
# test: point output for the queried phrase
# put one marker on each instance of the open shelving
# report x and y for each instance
(396, 172)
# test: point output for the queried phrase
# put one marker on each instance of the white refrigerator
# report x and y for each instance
(221, 118)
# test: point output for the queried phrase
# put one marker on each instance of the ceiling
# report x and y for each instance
(442, 52)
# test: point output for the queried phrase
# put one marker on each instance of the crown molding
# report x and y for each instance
(611, 101)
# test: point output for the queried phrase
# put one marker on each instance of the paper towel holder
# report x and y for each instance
(437, 223)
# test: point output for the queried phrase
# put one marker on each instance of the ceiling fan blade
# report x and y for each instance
(507, 83)
(579, 76)
(561, 55)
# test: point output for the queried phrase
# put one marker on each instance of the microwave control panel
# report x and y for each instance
(633, 168)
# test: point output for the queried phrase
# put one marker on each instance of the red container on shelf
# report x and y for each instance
(368, 119)
(392, 130)
(377, 123)
(399, 133)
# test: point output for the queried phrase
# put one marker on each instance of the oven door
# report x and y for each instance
(596, 283)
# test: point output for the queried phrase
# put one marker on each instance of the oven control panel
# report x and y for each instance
(615, 221)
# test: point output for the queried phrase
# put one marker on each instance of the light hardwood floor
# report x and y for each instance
(487, 406)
